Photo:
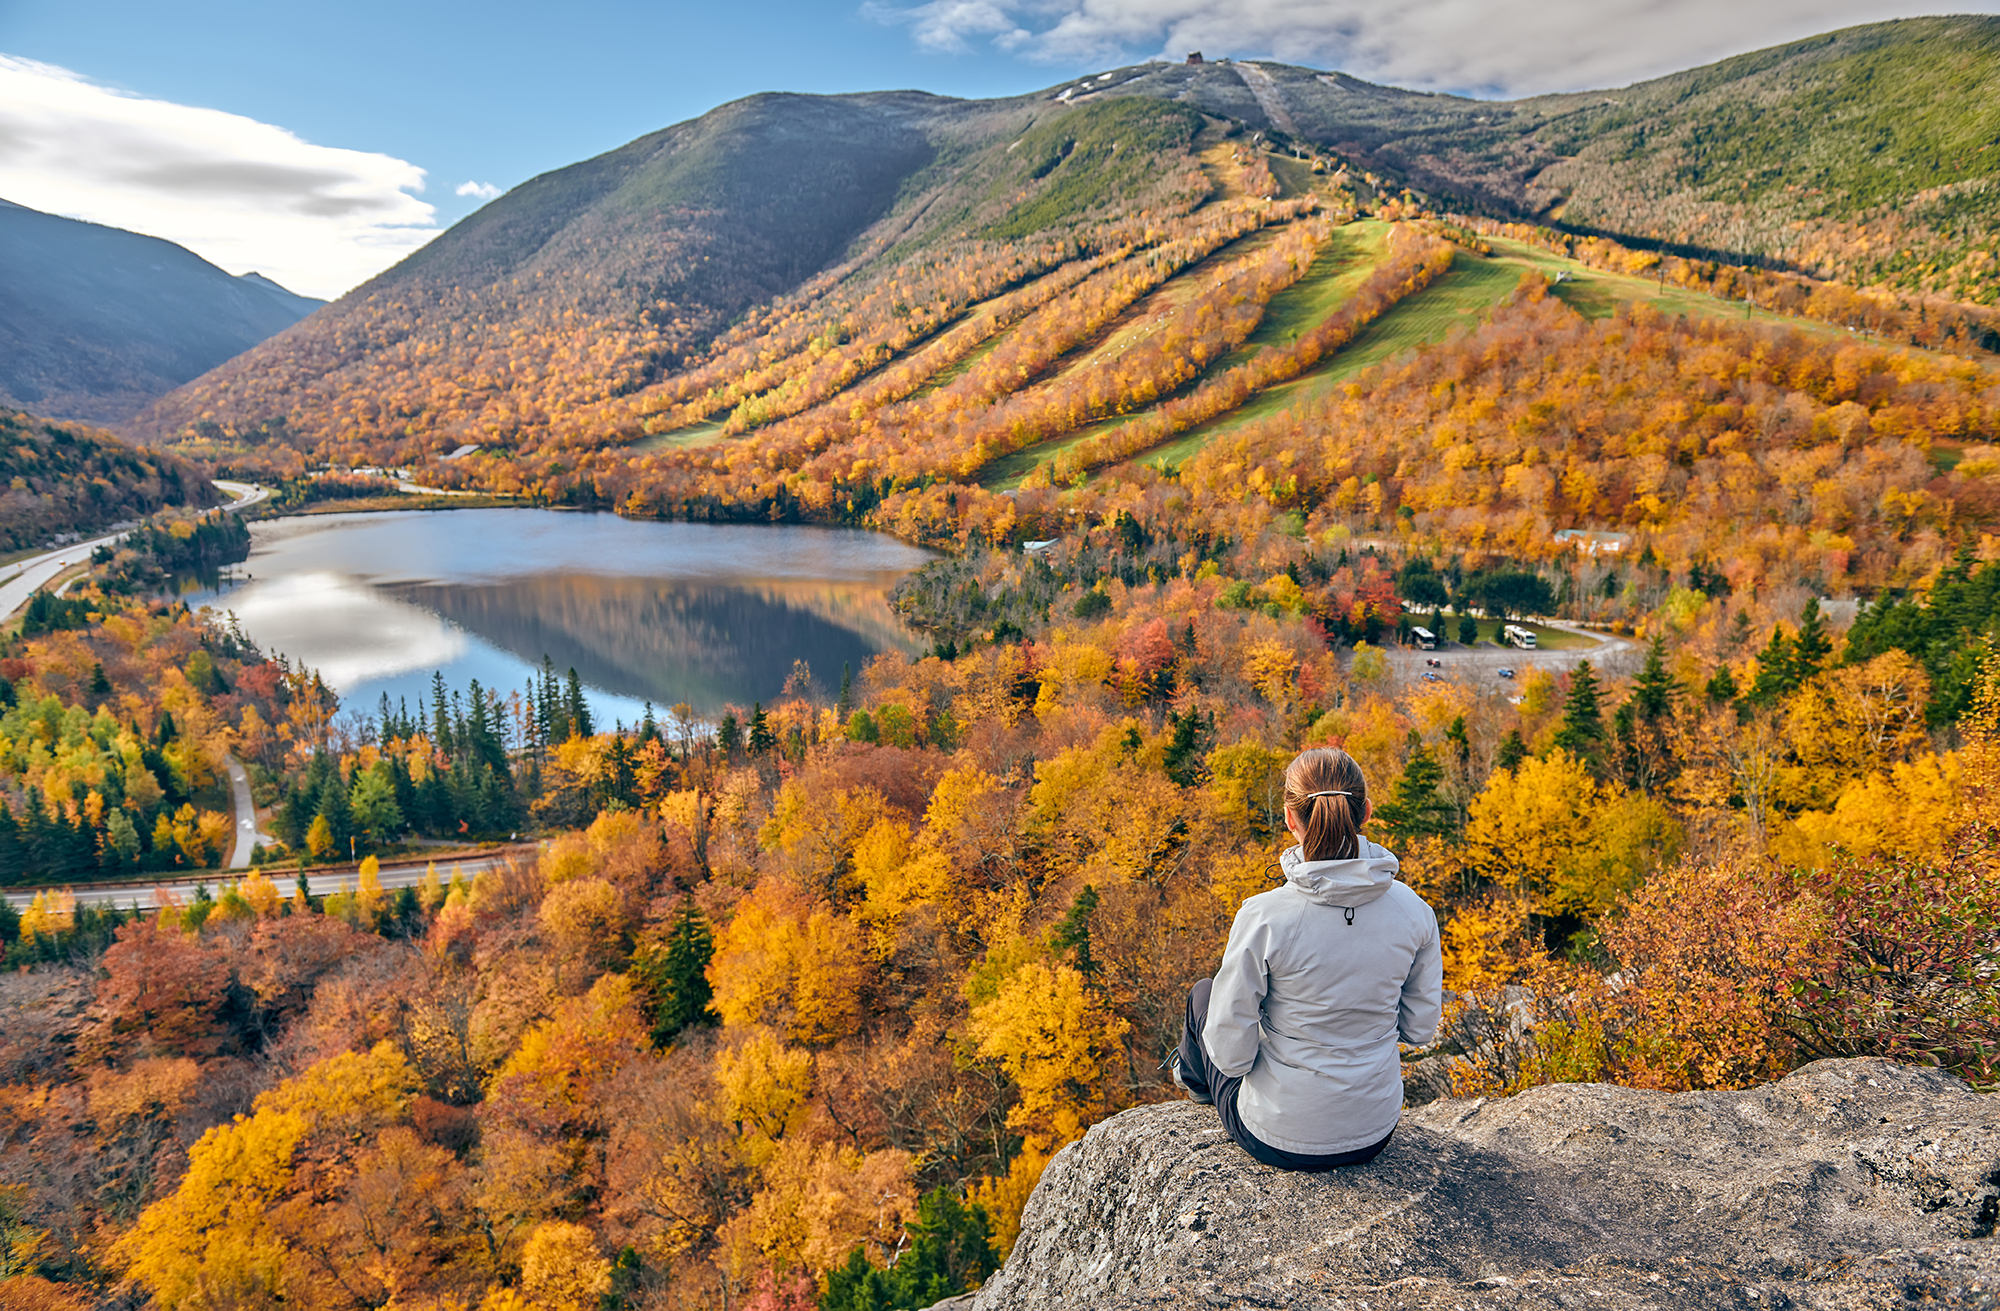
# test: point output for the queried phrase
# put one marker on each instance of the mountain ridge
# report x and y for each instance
(752, 264)
(97, 321)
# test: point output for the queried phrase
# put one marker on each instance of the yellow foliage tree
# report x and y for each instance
(818, 1202)
(764, 1087)
(1057, 1041)
(48, 914)
(587, 920)
(817, 830)
(783, 962)
(1911, 809)
(222, 1238)
(562, 1268)
(1549, 830)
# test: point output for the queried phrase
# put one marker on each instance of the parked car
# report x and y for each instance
(1506, 673)
(1432, 676)
(1434, 662)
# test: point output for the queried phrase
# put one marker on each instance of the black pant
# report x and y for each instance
(1200, 1075)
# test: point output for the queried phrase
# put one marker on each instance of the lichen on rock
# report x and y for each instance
(1849, 1183)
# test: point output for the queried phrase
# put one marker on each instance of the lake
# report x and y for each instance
(667, 612)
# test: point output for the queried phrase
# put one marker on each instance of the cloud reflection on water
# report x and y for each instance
(355, 632)
(708, 614)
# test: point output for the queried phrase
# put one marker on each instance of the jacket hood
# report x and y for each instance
(1353, 882)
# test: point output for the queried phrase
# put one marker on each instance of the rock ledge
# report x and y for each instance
(1848, 1183)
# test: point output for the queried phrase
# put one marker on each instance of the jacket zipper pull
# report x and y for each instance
(1349, 912)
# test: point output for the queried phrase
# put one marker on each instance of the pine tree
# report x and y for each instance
(1582, 731)
(1654, 692)
(844, 706)
(1468, 630)
(1073, 930)
(674, 975)
(1812, 647)
(761, 737)
(577, 709)
(1512, 751)
(1777, 670)
(1721, 686)
(1461, 742)
(729, 735)
(1415, 808)
(440, 715)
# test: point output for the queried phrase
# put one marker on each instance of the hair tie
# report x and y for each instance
(1310, 795)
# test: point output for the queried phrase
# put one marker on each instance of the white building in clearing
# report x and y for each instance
(1584, 541)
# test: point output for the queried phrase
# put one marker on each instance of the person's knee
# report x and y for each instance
(1198, 1001)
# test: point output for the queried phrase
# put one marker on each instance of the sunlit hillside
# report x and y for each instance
(1249, 409)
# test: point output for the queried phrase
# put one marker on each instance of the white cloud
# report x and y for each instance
(241, 194)
(483, 190)
(1488, 47)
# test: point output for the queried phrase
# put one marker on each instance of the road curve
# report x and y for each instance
(34, 573)
(247, 836)
(148, 896)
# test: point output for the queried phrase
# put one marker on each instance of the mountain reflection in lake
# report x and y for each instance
(666, 612)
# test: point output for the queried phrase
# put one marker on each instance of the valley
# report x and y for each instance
(727, 837)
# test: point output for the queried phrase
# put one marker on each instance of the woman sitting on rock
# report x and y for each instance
(1294, 1039)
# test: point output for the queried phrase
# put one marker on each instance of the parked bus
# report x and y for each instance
(1515, 635)
(1423, 638)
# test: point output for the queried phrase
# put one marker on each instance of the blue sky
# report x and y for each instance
(319, 143)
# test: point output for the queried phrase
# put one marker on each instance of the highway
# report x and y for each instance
(147, 896)
(34, 573)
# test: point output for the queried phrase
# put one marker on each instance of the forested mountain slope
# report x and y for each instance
(1865, 155)
(66, 478)
(96, 322)
(752, 265)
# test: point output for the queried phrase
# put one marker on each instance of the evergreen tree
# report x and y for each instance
(551, 722)
(674, 975)
(1512, 751)
(1582, 730)
(1415, 807)
(761, 737)
(1721, 686)
(621, 782)
(1812, 647)
(950, 1251)
(1073, 930)
(1777, 670)
(575, 707)
(440, 714)
(1468, 630)
(1186, 745)
(649, 728)
(1654, 692)
(844, 705)
(1460, 741)
(483, 742)
(334, 808)
(100, 685)
(729, 735)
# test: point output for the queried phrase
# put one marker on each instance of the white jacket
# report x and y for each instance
(1308, 1006)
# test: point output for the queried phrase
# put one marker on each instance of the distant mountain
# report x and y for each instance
(1869, 155)
(97, 322)
(743, 267)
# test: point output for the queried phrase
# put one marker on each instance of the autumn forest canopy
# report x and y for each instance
(1209, 386)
